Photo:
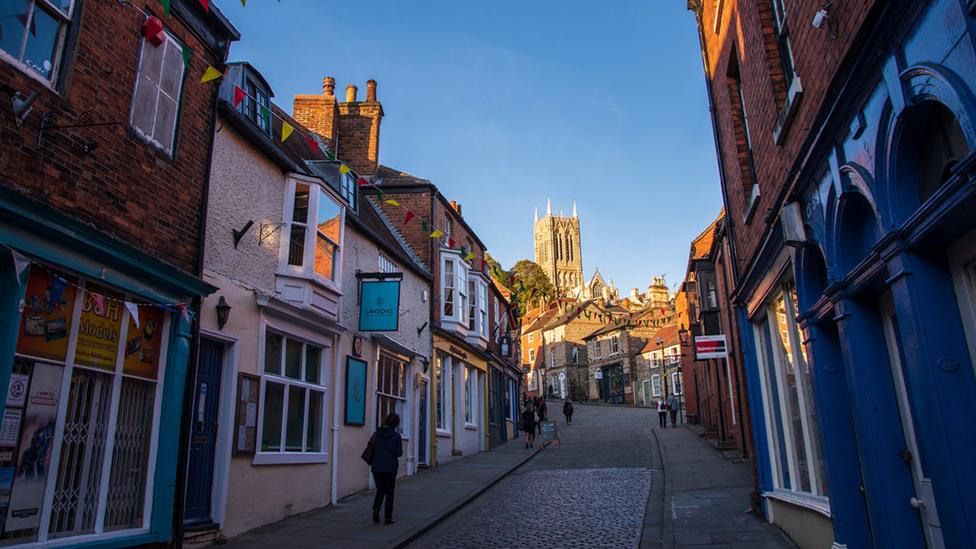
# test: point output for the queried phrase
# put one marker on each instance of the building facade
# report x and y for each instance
(104, 161)
(558, 250)
(846, 164)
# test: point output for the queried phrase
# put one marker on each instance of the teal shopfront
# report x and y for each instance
(95, 340)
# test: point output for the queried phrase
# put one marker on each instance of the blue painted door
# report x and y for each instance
(422, 425)
(203, 433)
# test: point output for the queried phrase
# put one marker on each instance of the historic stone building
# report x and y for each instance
(558, 250)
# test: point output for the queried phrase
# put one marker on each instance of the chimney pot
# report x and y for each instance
(328, 86)
(351, 90)
(371, 91)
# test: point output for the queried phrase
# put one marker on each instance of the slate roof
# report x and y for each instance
(668, 333)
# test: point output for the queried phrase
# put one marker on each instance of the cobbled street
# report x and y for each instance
(590, 491)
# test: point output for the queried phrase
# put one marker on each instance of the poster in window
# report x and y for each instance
(17, 390)
(355, 392)
(46, 320)
(143, 343)
(34, 451)
(98, 330)
(10, 427)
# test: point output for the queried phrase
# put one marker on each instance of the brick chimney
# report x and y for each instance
(358, 130)
(319, 112)
(456, 207)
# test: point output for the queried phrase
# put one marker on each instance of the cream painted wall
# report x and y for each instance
(808, 529)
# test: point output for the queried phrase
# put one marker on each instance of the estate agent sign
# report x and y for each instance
(710, 347)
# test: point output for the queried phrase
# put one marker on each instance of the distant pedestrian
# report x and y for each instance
(673, 408)
(387, 449)
(528, 424)
(542, 412)
(662, 413)
(568, 411)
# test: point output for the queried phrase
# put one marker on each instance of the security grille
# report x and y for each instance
(127, 482)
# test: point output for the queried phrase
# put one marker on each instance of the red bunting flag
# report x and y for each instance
(238, 96)
(312, 142)
(362, 181)
(206, 5)
(407, 217)
(450, 243)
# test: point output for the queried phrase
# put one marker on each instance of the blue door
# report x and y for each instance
(422, 426)
(203, 433)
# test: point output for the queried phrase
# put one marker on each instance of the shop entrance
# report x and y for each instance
(203, 433)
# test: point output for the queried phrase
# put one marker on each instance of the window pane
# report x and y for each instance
(151, 63)
(775, 430)
(13, 17)
(296, 247)
(172, 72)
(325, 252)
(313, 363)
(293, 359)
(41, 42)
(130, 466)
(296, 419)
(314, 436)
(328, 217)
(272, 353)
(165, 126)
(144, 105)
(274, 400)
(789, 376)
(300, 212)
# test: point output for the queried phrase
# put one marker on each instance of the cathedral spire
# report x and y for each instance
(536, 214)
(548, 206)
(574, 209)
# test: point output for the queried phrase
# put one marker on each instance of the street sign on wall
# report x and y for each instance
(710, 347)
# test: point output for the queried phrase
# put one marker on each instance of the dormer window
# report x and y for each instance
(347, 188)
(256, 106)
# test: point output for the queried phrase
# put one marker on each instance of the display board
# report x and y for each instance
(246, 414)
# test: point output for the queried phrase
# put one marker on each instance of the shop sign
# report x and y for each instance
(379, 305)
(46, 320)
(98, 333)
(143, 343)
(598, 374)
(710, 347)
(458, 352)
(34, 451)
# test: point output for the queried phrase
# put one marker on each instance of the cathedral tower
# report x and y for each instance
(558, 250)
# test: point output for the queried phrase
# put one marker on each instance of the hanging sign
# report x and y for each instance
(710, 347)
(379, 305)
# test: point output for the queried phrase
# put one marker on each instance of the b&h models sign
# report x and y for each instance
(379, 302)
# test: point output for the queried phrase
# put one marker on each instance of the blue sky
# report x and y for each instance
(504, 103)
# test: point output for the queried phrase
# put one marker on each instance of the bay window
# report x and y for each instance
(454, 290)
(793, 428)
(391, 388)
(314, 231)
(33, 34)
(472, 305)
(293, 405)
(483, 309)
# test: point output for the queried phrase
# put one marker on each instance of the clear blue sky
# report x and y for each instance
(504, 103)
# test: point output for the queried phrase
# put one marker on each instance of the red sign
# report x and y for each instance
(710, 347)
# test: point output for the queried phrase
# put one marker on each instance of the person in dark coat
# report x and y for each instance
(386, 453)
(568, 411)
(528, 424)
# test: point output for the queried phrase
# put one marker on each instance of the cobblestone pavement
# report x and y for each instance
(590, 491)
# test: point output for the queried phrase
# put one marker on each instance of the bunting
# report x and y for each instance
(238, 96)
(206, 5)
(392, 202)
(343, 169)
(165, 4)
(470, 256)
(436, 234)
(187, 53)
(407, 217)
(362, 181)
(286, 130)
(211, 74)
(312, 143)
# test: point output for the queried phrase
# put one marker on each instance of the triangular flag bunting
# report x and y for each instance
(286, 130)
(407, 217)
(362, 181)
(211, 74)
(243, 3)
(330, 155)
(99, 301)
(186, 57)
(450, 242)
(165, 4)
(312, 143)
(436, 234)
(238, 96)
(392, 202)
(343, 169)
(469, 257)
(21, 262)
(206, 5)
(133, 311)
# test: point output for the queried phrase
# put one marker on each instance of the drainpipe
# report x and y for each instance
(334, 495)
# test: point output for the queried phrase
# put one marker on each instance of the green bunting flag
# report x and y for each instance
(165, 4)
(186, 57)
(330, 155)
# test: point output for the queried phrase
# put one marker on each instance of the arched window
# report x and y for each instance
(859, 228)
(940, 146)
(569, 244)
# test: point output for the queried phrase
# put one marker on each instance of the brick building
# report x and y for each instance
(105, 161)
(844, 133)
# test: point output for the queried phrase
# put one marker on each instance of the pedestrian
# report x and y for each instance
(387, 449)
(528, 424)
(542, 411)
(673, 408)
(662, 413)
(568, 411)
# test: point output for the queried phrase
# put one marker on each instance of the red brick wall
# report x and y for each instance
(126, 187)
(747, 25)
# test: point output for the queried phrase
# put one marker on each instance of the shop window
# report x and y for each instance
(114, 371)
(469, 396)
(391, 389)
(442, 405)
(33, 34)
(293, 406)
(793, 429)
(156, 99)
(314, 232)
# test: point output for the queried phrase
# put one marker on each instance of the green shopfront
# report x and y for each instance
(95, 340)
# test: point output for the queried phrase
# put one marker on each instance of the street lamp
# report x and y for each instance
(683, 335)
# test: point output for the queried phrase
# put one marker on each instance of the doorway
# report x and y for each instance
(203, 433)
(422, 424)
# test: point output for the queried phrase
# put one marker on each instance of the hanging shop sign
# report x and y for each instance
(379, 303)
(143, 342)
(710, 347)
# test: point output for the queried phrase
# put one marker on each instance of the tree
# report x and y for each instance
(531, 285)
(501, 275)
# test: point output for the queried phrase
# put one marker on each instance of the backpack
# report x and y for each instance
(368, 452)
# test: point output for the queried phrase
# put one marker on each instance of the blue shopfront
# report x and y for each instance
(859, 331)
(94, 348)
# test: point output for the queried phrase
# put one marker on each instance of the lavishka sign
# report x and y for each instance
(710, 347)
(379, 305)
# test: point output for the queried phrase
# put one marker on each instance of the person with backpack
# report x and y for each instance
(568, 411)
(383, 455)
(528, 424)
(662, 413)
(673, 409)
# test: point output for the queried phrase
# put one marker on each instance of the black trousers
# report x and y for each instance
(663, 418)
(385, 486)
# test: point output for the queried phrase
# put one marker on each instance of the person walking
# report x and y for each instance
(568, 411)
(528, 424)
(662, 413)
(387, 449)
(673, 409)
(543, 412)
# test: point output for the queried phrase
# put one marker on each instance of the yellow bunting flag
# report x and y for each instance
(392, 202)
(286, 130)
(469, 257)
(343, 169)
(436, 234)
(211, 74)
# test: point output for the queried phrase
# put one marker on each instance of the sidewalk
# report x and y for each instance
(422, 501)
(706, 498)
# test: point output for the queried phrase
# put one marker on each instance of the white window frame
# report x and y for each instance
(482, 308)
(385, 265)
(677, 382)
(403, 367)
(597, 344)
(307, 269)
(656, 385)
(443, 397)
(266, 457)
(614, 345)
(552, 357)
(459, 283)
(66, 20)
(470, 397)
(532, 355)
(169, 41)
(532, 337)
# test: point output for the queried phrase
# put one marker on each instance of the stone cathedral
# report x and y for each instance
(558, 250)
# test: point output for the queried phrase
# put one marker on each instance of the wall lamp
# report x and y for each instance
(223, 312)
(822, 17)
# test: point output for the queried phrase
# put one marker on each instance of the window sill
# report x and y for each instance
(752, 205)
(268, 458)
(320, 281)
(444, 433)
(786, 115)
(819, 504)
(29, 72)
(470, 427)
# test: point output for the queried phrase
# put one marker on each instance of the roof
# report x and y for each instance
(702, 244)
(668, 333)
(388, 176)
(607, 329)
